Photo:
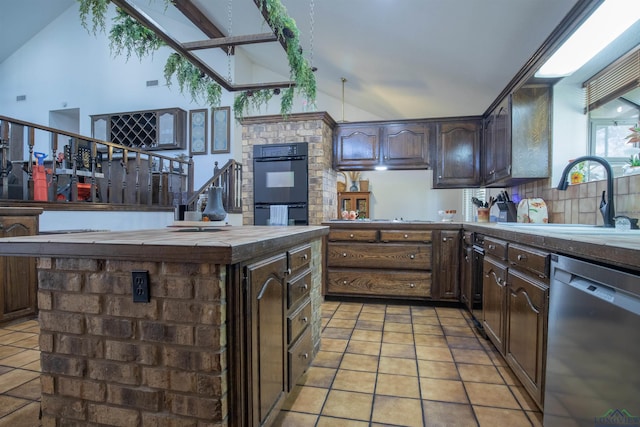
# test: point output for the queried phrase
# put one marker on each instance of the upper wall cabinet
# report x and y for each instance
(396, 145)
(148, 130)
(457, 161)
(517, 138)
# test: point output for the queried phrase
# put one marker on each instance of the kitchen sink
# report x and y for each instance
(568, 228)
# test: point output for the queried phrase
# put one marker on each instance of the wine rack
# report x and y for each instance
(148, 130)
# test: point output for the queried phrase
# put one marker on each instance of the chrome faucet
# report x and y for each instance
(606, 206)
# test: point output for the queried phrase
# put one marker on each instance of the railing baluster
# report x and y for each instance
(150, 184)
(125, 171)
(53, 188)
(30, 141)
(4, 168)
(94, 167)
(109, 171)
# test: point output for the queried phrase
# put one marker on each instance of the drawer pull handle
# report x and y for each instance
(412, 256)
(522, 257)
(344, 254)
(305, 355)
(412, 285)
(492, 247)
(304, 319)
(351, 235)
(288, 271)
(406, 236)
(304, 257)
(304, 286)
(344, 282)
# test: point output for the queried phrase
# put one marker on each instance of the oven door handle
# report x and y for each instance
(279, 159)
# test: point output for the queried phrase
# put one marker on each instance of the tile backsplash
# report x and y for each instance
(579, 203)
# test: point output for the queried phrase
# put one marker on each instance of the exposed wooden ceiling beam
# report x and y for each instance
(204, 24)
(145, 20)
(231, 41)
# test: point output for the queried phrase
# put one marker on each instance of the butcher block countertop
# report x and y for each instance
(190, 242)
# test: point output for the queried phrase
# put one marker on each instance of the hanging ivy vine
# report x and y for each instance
(127, 36)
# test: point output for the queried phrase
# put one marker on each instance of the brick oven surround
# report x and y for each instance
(316, 129)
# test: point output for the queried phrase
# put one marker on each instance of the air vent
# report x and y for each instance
(21, 98)
(152, 83)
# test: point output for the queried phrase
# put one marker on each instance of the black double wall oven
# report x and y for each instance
(281, 181)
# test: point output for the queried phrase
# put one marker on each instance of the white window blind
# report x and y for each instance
(614, 81)
(468, 208)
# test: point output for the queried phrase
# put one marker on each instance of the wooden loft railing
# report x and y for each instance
(230, 179)
(87, 170)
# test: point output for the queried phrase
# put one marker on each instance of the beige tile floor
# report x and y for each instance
(400, 365)
(19, 374)
(378, 365)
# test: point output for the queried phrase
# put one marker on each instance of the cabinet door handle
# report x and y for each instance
(412, 256)
(439, 176)
(444, 239)
(412, 285)
(288, 271)
(344, 282)
(344, 254)
(492, 247)
(522, 257)
(304, 355)
(304, 287)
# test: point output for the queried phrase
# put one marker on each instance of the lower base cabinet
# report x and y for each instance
(527, 312)
(18, 279)
(279, 343)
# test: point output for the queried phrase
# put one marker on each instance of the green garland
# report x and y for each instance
(129, 36)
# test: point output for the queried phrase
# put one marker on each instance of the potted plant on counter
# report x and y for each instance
(633, 165)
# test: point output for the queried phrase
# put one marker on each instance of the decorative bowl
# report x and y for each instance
(447, 215)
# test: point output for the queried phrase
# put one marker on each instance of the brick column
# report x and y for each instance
(314, 128)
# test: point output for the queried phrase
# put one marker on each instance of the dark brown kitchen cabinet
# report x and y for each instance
(527, 316)
(390, 263)
(517, 137)
(527, 308)
(163, 129)
(356, 146)
(18, 280)
(494, 293)
(267, 337)
(406, 145)
(396, 145)
(497, 143)
(457, 154)
(446, 247)
(279, 341)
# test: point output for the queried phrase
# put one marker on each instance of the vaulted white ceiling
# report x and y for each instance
(401, 58)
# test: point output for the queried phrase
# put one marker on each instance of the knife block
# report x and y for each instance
(508, 212)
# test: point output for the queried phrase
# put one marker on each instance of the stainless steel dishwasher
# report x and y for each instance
(593, 348)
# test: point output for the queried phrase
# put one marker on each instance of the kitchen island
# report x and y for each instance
(207, 326)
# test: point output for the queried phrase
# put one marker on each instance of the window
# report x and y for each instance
(468, 208)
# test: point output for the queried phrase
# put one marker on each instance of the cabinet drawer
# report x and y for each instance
(376, 255)
(400, 284)
(298, 288)
(296, 322)
(299, 257)
(495, 247)
(300, 355)
(354, 235)
(405, 236)
(530, 259)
